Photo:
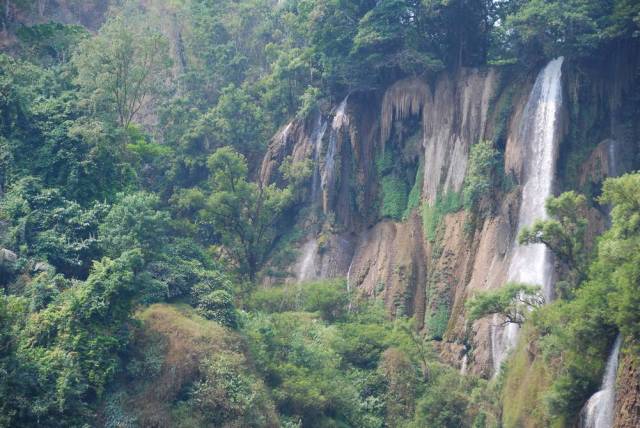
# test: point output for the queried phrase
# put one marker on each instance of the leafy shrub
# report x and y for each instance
(329, 298)
(213, 300)
(445, 402)
(218, 306)
(362, 344)
(135, 221)
(46, 225)
(402, 382)
(436, 321)
(481, 179)
(226, 392)
(297, 356)
(413, 200)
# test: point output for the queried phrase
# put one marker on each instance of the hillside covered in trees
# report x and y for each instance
(320, 213)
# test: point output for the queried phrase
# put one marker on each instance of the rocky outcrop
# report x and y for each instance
(627, 411)
(405, 98)
(291, 140)
(89, 13)
(389, 262)
(393, 260)
(326, 256)
(7, 257)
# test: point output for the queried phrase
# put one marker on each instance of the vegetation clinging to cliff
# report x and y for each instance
(574, 333)
(109, 204)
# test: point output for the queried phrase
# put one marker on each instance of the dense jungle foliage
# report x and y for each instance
(134, 229)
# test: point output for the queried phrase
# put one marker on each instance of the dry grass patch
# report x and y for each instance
(184, 343)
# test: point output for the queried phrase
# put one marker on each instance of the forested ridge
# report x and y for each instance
(145, 262)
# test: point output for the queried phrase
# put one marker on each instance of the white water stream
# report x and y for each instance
(340, 119)
(538, 135)
(599, 410)
(316, 137)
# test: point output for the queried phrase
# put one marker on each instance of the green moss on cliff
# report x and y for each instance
(413, 201)
(527, 380)
(394, 197)
(432, 214)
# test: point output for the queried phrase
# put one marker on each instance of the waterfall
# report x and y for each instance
(537, 135)
(612, 159)
(349, 284)
(531, 263)
(598, 412)
(307, 265)
(340, 119)
(464, 367)
(316, 138)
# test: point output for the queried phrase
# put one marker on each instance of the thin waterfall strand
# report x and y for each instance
(599, 410)
(317, 136)
(340, 120)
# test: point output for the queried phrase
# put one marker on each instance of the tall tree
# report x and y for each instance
(245, 214)
(125, 68)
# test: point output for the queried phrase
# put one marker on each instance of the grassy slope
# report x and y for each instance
(527, 379)
(181, 341)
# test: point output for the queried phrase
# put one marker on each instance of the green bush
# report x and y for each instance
(213, 300)
(226, 393)
(362, 344)
(436, 321)
(394, 197)
(297, 356)
(481, 180)
(218, 306)
(445, 403)
(329, 298)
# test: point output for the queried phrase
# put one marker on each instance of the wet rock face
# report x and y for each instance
(627, 411)
(89, 13)
(324, 258)
(457, 120)
(291, 140)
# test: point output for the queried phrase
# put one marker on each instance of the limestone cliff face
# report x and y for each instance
(414, 275)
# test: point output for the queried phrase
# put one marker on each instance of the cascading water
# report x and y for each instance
(340, 119)
(612, 158)
(317, 136)
(307, 265)
(537, 134)
(464, 367)
(323, 182)
(598, 412)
